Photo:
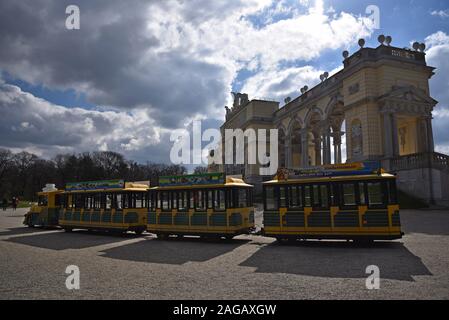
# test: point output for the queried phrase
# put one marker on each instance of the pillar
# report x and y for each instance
(388, 135)
(337, 146)
(304, 148)
(317, 142)
(288, 150)
(430, 141)
(394, 129)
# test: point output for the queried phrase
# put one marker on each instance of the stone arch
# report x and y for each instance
(282, 143)
(294, 139)
(313, 115)
(335, 116)
(334, 105)
(294, 121)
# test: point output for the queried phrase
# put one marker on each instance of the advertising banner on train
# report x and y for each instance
(95, 185)
(193, 179)
(344, 169)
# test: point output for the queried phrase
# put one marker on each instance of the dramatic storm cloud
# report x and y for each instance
(145, 68)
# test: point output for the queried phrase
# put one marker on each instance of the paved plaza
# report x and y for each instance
(33, 264)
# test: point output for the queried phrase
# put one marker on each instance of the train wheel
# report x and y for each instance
(162, 236)
(363, 242)
(281, 240)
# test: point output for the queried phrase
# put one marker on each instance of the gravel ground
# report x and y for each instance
(33, 264)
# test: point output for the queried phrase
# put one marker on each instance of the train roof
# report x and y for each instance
(106, 186)
(333, 172)
(331, 178)
(228, 182)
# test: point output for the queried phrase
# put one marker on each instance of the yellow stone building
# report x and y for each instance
(379, 104)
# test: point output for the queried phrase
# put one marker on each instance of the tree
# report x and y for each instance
(199, 170)
(24, 174)
(5, 166)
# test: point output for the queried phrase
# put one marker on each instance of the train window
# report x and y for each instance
(117, 201)
(210, 199)
(229, 199)
(42, 201)
(108, 204)
(59, 200)
(283, 196)
(219, 199)
(139, 200)
(97, 201)
(316, 196)
(375, 196)
(271, 201)
(392, 192)
(127, 200)
(362, 193)
(183, 201)
(174, 199)
(295, 197)
(151, 200)
(249, 197)
(242, 198)
(307, 196)
(324, 196)
(79, 201)
(333, 188)
(199, 200)
(165, 201)
(348, 190)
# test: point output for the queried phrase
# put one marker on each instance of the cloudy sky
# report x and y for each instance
(136, 70)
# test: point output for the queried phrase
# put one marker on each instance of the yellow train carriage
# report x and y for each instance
(347, 202)
(111, 205)
(206, 205)
(46, 212)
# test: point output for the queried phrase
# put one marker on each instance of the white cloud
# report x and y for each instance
(437, 56)
(156, 65)
(42, 127)
(440, 13)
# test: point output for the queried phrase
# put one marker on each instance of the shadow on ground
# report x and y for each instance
(24, 230)
(75, 240)
(425, 221)
(337, 260)
(173, 251)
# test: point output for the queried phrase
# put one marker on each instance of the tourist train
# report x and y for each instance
(354, 201)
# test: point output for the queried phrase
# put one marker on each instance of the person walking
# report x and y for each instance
(4, 203)
(14, 203)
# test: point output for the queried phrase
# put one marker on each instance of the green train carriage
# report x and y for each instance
(112, 205)
(46, 213)
(355, 201)
(206, 205)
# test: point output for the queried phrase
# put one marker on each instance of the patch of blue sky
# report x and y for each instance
(68, 98)
(404, 20)
(279, 10)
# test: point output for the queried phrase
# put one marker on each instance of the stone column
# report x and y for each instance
(304, 148)
(388, 136)
(328, 146)
(430, 141)
(286, 152)
(394, 129)
(337, 146)
(317, 142)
